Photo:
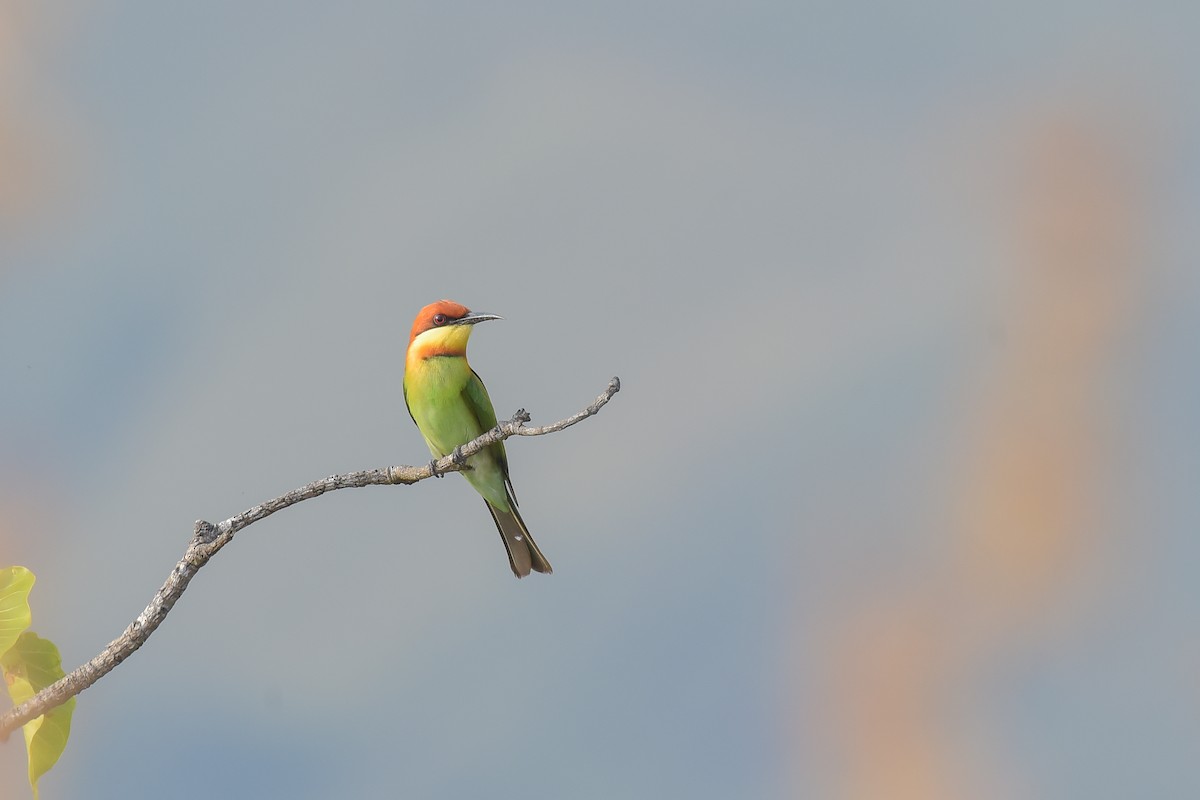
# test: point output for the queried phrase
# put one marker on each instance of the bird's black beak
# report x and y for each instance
(471, 318)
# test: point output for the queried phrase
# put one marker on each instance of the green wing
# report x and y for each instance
(477, 398)
(407, 407)
(481, 405)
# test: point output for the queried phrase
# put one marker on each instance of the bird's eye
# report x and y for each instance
(439, 319)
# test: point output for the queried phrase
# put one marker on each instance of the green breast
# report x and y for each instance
(451, 407)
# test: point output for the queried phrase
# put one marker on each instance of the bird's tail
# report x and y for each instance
(523, 552)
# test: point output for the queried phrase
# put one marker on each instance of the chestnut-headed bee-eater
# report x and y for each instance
(451, 407)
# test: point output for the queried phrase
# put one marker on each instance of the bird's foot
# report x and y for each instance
(458, 458)
(433, 470)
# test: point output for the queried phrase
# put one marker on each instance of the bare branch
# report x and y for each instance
(208, 539)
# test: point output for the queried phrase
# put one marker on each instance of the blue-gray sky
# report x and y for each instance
(788, 228)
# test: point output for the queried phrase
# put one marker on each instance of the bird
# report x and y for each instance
(450, 406)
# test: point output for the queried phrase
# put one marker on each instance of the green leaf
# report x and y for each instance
(15, 583)
(31, 665)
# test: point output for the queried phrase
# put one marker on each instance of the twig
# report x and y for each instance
(208, 540)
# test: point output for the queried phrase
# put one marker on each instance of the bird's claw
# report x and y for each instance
(457, 456)
(433, 470)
